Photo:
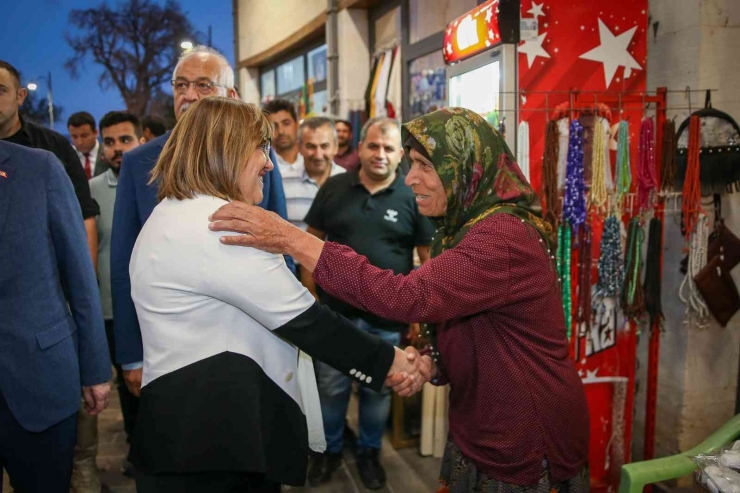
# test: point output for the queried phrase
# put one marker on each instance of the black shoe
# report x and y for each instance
(371, 472)
(333, 461)
(316, 469)
(322, 467)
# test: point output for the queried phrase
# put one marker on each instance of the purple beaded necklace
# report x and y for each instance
(574, 202)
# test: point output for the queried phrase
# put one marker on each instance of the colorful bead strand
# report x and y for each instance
(574, 200)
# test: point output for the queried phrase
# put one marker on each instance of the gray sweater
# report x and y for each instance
(103, 190)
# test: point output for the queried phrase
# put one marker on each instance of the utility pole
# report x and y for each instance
(51, 103)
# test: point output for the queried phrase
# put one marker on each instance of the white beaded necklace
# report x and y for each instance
(697, 260)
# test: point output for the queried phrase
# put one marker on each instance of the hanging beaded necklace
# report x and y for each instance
(624, 173)
(610, 274)
(688, 292)
(610, 262)
(550, 175)
(646, 181)
(668, 161)
(583, 311)
(563, 266)
(691, 196)
(574, 201)
(633, 303)
(652, 287)
(598, 180)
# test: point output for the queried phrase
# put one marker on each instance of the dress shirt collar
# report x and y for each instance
(93, 154)
(335, 170)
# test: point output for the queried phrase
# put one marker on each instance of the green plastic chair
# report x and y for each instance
(638, 474)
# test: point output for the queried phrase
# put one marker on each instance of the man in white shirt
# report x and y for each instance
(283, 116)
(84, 135)
(317, 144)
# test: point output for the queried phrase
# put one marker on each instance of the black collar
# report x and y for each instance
(355, 181)
(23, 131)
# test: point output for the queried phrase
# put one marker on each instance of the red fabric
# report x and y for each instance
(516, 398)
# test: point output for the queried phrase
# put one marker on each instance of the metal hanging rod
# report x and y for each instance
(671, 202)
(639, 93)
(581, 109)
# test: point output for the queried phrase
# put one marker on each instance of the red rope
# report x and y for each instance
(691, 197)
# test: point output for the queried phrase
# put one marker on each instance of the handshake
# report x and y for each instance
(409, 372)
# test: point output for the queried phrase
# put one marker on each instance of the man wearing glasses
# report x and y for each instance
(200, 72)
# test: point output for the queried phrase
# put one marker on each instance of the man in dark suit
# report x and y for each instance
(84, 135)
(52, 336)
(201, 72)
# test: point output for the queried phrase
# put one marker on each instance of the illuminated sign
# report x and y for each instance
(479, 30)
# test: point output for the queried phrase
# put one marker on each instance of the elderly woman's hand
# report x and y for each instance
(266, 231)
(262, 229)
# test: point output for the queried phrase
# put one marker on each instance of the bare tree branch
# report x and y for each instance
(136, 44)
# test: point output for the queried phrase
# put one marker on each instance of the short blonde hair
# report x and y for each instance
(208, 149)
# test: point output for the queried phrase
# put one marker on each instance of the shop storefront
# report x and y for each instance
(526, 66)
(299, 77)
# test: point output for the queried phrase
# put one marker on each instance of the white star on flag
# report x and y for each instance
(490, 34)
(533, 49)
(613, 52)
(449, 48)
(488, 15)
(536, 10)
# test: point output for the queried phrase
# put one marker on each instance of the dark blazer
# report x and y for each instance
(52, 334)
(135, 201)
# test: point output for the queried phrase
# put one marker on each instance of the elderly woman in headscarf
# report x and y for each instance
(491, 301)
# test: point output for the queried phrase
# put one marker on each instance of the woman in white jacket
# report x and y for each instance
(228, 400)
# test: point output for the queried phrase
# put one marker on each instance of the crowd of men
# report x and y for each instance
(321, 183)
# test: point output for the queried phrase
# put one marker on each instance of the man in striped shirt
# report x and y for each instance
(317, 144)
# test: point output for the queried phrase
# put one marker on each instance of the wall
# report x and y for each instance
(262, 24)
(354, 53)
(694, 46)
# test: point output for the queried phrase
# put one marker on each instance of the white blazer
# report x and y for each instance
(208, 311)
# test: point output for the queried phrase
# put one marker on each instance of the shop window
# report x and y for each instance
(319, 104)
(291, 76)
(317, 64)
(428, 79)
(267, 81)
(300, 79)
(427, 17)
(478, 90)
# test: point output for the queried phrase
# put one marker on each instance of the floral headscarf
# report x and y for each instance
(477, 171)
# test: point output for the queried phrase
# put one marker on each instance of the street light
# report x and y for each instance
(32, 86)
(186, 45)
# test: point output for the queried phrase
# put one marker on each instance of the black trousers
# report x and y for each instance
(36, 462)
(129, 402)
(212, 482)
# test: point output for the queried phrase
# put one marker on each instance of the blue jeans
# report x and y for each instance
(334, 391)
